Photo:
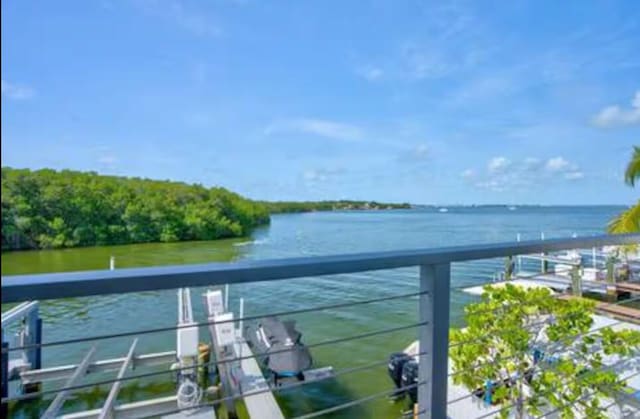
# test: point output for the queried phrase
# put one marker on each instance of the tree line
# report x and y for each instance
(55, 209)
(308, 206)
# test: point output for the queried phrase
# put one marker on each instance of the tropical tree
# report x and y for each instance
(629, 220)
(47, 208)
(529, 353)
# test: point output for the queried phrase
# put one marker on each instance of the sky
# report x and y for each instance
(425, 102)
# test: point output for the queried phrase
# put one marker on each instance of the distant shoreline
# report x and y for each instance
(285, 207)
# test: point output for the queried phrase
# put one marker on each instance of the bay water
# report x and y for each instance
(291, 235)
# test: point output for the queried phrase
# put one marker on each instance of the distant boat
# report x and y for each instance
(512, 208)
(443, 210)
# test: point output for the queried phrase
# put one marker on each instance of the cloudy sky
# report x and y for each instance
(426, 102)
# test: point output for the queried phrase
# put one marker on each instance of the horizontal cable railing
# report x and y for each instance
(345, 371)
(222, 362)
(213, 323)
(435, 268)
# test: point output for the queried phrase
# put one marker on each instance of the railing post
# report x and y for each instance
(5, 377)
(434, 340)
(34, 355)
(33, 336)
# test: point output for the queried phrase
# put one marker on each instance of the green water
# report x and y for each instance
(288, 236)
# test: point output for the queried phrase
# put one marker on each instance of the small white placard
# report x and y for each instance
(215, 302)
(225, 332)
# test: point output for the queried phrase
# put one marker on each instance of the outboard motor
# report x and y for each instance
(396, 362)
(410, 377)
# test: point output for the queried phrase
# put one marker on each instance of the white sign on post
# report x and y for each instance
(225, 332)
(215, 303)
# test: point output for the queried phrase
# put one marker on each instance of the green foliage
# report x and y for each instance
(509, 324)
(308, 206)
(629, 221)
(50, 209)
(632, 174)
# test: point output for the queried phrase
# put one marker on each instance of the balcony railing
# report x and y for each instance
(432, 326)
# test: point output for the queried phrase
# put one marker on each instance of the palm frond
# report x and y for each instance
(627, 222)
(632, 174)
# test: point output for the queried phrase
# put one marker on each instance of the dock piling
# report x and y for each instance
(519, 259)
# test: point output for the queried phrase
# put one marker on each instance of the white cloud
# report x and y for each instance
(483, 89)
(561, 166)
(176, 12)
(199, 119)
(419, 153)
(17, 91)
(107, 159)
(614, 115)
(503, 174)
(557, 164)
(468, 174)
(498, 164)
(321, 174)
(319, 127)
(370, 73)
(574, 175)
(496, 185)
(421, 62)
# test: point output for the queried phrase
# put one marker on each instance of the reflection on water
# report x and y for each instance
(289, 236)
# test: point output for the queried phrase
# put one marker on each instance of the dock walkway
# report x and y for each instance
(243, 378)
(263, 404)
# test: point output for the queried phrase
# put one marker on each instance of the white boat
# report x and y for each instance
(572, 257)
(443, 209)
(513, 208)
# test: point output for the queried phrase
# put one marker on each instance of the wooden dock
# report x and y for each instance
(615, 310)
(632, 287)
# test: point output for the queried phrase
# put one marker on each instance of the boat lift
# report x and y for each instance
(240, 379)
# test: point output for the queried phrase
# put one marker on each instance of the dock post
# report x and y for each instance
(240, 323)
(576, 281)
(612, 294)
(434, 340)
(544, 264)
(518, 258)
(5, 377)
(508, 268)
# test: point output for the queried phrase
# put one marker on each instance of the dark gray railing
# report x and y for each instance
(435, 277)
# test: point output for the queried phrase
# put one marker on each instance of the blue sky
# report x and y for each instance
(426, 102)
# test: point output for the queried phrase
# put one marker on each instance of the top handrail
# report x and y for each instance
(85, 283)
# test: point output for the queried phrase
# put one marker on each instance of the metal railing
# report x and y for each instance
(433, 301)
